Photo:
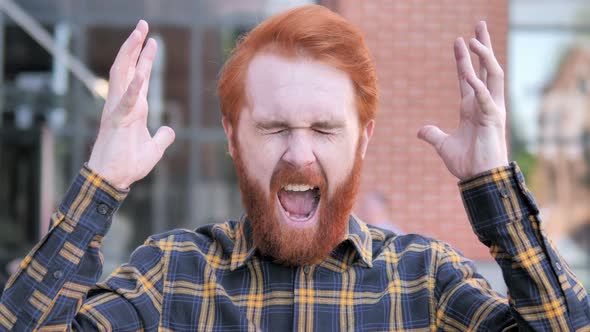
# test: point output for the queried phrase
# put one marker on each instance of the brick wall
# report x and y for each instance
(411, 41)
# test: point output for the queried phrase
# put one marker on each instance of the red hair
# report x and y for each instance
(313, 31)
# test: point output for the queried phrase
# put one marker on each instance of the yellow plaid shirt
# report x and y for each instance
(213, 279)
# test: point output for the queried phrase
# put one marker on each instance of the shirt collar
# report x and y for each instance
(360, 236)
(357, 234)
(244, 245)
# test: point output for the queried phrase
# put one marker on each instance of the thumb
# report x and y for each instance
(432, 135)
(164, 138)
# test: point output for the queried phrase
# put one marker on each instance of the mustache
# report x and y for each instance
(286, 173)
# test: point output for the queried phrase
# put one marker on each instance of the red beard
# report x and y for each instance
(293, 246)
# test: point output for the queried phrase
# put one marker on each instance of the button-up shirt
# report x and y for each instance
(214, 279)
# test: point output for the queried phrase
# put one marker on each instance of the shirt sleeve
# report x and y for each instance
(543, 293)
(51, 287)
(465, 300)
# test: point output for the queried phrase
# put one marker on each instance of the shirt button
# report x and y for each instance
(306, 269)
(558, 266)
(505, 192)
(58, 274)
(102, 209)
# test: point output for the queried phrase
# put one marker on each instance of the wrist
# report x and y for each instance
(120, 184)
(484, 169)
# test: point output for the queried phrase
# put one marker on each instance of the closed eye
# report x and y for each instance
(272, 127)
(322, 132)
(327, 128)
(277, 131)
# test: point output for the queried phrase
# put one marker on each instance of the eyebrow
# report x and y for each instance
(327, 125)
(266, 125)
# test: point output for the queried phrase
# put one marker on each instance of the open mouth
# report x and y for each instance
(299, 202)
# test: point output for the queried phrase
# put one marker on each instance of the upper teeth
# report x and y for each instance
(297, 187)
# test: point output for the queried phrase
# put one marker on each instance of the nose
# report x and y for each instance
(299, 150)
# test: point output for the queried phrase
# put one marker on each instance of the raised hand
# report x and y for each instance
(124, 151)
(479, 143)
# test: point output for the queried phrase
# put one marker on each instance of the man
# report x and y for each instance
(298, 98)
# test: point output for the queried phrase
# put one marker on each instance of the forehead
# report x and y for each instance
(299, 88)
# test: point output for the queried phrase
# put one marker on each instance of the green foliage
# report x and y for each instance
(526, 161)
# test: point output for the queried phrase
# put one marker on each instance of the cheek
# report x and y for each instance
(337, 160)
(260, 157)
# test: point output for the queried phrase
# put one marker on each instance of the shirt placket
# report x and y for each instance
(304, 301)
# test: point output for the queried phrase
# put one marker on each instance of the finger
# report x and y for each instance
(482, 94)
(163, 138)
(481, 33)
(432, 135)
(126, 56)
(484, 38)
(146, 85)
(144, 65)
(495, 78)
(463, 61)
(482, 53)
(130, 71)
(161, 141)
(129, 99)
(143, 27)
(483, 73)
(135, 88)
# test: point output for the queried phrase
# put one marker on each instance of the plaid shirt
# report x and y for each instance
(213, 279)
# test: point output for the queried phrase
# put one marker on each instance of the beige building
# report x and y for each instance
(562, 175)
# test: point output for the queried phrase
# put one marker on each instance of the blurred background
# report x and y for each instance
(55, 56)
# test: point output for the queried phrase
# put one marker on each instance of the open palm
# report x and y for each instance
(479, 142)
(125, 151)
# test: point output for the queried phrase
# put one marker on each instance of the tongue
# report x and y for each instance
(298, 203)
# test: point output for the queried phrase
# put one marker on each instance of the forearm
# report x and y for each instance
(54, 278)
(543, 293)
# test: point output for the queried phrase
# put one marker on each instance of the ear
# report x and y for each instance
(366, 137)
(227, 127)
